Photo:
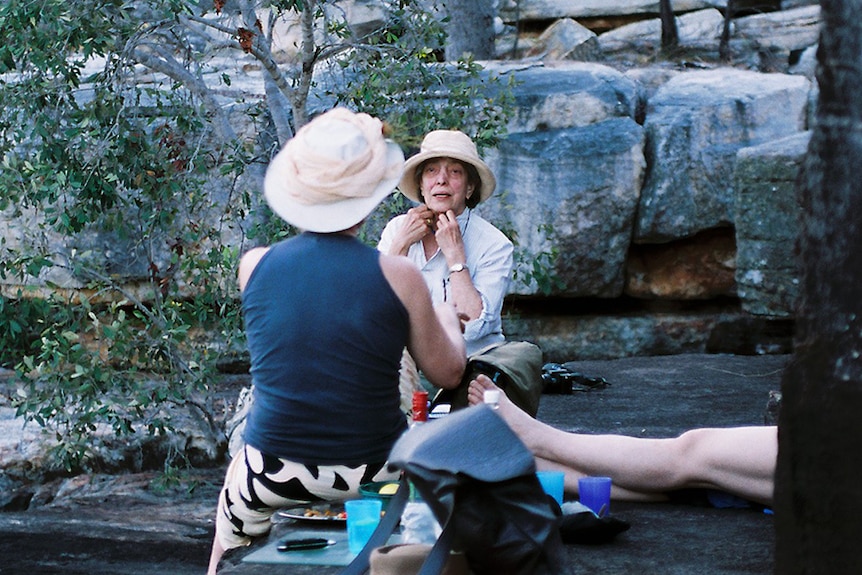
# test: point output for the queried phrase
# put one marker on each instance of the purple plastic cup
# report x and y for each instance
(595, 493)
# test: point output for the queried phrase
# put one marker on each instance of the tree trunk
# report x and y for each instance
(818, 497)
(669, 32)
(470, 29)
(724, 43)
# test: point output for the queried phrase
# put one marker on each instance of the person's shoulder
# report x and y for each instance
(253, 256)
(401, 272)
(399, 265)
(248, 262)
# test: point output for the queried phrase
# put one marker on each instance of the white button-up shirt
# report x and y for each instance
(489, 260)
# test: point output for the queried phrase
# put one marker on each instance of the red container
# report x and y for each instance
(420, 406)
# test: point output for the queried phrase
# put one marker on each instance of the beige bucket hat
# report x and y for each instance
(333, 172)
(447, 144)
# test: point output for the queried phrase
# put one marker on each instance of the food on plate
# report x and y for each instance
(388, 489)
(325, 513)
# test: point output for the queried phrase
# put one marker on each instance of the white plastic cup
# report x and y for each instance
(491, 397)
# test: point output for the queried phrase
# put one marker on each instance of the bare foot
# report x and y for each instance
(521, 423)
(477, 388)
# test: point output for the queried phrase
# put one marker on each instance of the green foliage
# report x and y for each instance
(138, 196)
(396, 75)
(537, 270)
(534, 271)
(20, 327)
(174, 480)
(104, 156)
(47, 37)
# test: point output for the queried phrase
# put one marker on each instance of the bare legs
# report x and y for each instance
(739, 460)
(215, 556)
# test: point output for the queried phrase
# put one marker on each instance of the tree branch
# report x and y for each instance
(167, 65)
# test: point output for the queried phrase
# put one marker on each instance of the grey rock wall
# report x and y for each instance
(694, 126)
(513, 10)
(580, 176)
(663, 182)
(767, 225)
(574, 190)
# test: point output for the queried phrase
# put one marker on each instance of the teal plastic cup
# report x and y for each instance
(363, 515)
(595, 493)
(553, 482)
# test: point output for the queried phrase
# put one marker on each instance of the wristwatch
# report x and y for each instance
(457, 268)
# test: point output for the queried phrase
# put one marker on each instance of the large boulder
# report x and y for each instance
(557, 95)
(774, 37)
(695, 124)
(767, 225)
(515, 10)
(565, 39)
(571, 194)
(701, 29)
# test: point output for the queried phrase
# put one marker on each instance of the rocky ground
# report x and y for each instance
(142, 523)
(129, 530)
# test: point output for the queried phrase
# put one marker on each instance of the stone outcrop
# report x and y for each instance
(31, 476)
(696, 30)
(652, 200)
(694, 125)
(562, 200)
(633, 177)
(767, 207)
(513, 10)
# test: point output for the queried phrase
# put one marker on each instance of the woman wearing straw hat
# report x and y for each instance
(325, 359)
(464, 259)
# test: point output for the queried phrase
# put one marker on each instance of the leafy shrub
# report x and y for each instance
(134, 190)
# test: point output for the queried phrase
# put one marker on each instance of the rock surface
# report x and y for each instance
(134, 525)
(547, 9)
(767, 225)
(618, 177)
(695, 125)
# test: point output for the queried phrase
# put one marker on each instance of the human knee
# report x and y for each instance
(691, 450)
(236, 525)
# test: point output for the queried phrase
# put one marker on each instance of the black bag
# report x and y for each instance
(516, 368)
(480, 481)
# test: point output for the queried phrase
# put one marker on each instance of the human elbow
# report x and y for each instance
(452, 378)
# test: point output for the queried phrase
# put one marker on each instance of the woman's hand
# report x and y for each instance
(420, 222)
(449, 238)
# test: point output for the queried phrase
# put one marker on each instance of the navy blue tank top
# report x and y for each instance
(325, 332)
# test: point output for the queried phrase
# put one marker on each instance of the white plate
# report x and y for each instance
(315, 513)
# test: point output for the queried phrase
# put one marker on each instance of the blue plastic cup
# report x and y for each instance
(553, 483)
(363, 515)
(595, 493)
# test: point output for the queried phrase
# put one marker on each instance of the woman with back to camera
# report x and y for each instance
(327, 318)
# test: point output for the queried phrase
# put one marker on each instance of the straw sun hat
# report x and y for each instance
(333, 172)
(446, 144)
